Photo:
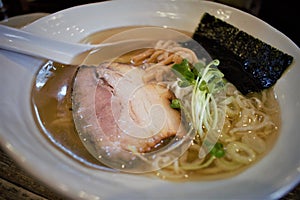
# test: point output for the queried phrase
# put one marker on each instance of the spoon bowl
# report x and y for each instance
(127, 86)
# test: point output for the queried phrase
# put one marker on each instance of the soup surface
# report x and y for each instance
(52, 106)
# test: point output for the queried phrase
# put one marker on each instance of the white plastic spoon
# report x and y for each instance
(66, 53)
(113, 47)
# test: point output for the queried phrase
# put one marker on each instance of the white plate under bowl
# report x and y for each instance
(22, 20)
(270, 178)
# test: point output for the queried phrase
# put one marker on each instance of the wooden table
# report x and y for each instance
(17, 184)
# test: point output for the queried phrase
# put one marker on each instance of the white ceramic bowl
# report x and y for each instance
(270, 178)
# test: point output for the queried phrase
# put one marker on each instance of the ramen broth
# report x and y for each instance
(52, 106)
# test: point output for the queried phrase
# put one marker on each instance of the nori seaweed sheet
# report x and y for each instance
(247, 62)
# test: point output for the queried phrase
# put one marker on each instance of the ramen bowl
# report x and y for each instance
(270, 178)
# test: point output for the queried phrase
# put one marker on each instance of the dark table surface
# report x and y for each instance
(17, 184)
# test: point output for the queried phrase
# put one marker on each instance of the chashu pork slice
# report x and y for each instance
(114, 110)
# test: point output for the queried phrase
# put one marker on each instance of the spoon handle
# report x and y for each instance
(27, 43)
(75, 53)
